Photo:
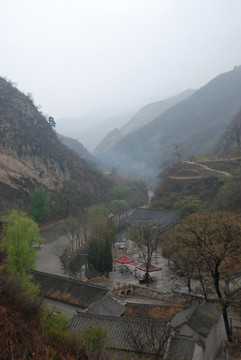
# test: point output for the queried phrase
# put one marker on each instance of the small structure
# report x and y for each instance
(121, 239)
(199, 331)
(165, 218)
(124, 334)
(147, 277)
(195, 333)
(151, 267)
(125, 260)
(72, 296)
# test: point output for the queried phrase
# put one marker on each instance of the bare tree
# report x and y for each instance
(74, 230)
(216, 238)
(147, 238)
(63, 253)
(178, 151)
(149, 339)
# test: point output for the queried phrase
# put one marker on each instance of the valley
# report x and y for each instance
(167, 183)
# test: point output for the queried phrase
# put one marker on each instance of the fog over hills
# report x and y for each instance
(141, 118)
(195, 124)
(91, 129)
(150, 111)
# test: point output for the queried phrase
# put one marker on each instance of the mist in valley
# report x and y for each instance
(93, 65)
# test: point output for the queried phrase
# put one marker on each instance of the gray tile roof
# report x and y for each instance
(200, 318)
(165, 218)
(181, 348)
(118, 328)
(67, 290)
(110, 304)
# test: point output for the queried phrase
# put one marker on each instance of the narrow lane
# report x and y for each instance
(207, 168)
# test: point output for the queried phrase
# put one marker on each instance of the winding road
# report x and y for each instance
(207, 168)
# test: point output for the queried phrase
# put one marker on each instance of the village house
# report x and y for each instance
(195, 333)
(199, 332)
(74, 296)
(164, 218)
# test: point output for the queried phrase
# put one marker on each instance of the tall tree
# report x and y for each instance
(75, 229)
(94, 255)
(107, 260)
(186, 262)
(216, 238)
(39, 204)
(147, 237)
(100, 224)
(20, 234)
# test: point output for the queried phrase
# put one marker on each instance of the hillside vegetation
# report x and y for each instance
(214, 180)
(30, 331)
(31, 156)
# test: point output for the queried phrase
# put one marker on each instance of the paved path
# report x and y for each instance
(49, 262)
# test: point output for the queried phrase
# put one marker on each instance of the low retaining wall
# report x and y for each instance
(149, 292)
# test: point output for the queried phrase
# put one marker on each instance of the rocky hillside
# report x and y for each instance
(214, 182)
(195, 124)
(229, 144)
(31, 155)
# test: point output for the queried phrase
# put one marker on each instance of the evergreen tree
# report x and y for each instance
(95, 255)
(51, 121)
(107, 257)
(40, 204)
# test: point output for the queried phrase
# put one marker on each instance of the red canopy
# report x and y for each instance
(150, 269)
(125, 260)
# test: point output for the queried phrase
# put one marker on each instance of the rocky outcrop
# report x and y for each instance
(31, 155)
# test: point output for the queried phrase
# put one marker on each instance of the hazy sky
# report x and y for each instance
(76, 56)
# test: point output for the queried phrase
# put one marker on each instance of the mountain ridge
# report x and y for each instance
(195, 124)
(31, 156)
(142, 117)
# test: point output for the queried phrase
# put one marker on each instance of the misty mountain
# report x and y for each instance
(91, 129)
(77, 147)
(141, 118)
(69, 125)
(31, 156)
(93, 136)
(108, 142)
(195, 124)
(150, 111)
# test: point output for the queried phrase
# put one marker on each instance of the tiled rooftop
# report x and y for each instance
(69, 291)
(181, 348)
(119, 330)
(200, 318)
(165, 218)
